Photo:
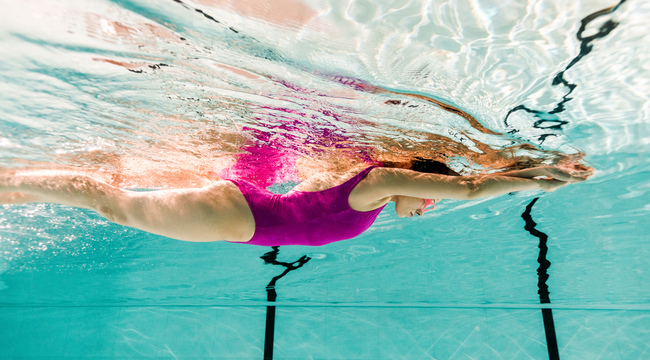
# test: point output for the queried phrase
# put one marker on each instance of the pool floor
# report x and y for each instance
(315, 332)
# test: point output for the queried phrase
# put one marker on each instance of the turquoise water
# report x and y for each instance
(166, 96)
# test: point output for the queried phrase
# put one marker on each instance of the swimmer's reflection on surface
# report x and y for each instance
(323, 209)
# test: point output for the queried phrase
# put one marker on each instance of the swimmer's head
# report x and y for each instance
(407, 206)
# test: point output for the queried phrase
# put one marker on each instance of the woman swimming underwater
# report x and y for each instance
(318, 211)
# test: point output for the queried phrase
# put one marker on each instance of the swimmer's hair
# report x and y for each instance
(423, 165)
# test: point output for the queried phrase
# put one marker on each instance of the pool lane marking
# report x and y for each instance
(271, 295)
(542, 287)
(550, 119)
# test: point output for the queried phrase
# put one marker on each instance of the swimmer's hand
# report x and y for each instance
(569, 174)
(550, 185)
(550, 178)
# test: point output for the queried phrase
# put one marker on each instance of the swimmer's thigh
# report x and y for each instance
(216, 212)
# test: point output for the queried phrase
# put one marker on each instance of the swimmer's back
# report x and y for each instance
(306, 217)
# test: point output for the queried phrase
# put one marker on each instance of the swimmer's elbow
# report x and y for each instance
(471, 187)
(457, 187)
(429, 186)
(485, 186)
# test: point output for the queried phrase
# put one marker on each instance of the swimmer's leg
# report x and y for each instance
(60, 187)
(216, 212)
(17, 198)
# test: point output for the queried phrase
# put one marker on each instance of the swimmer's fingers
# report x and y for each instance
(579, 167)
(578, 170)
(559, 180)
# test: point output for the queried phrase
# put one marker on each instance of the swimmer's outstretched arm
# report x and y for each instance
(391, 181)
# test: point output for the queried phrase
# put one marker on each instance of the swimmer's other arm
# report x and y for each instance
(392, 181)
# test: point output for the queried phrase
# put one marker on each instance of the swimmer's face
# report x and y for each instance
(406, 206)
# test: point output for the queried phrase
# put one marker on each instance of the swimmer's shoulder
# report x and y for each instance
(368, 194)
(327, 180)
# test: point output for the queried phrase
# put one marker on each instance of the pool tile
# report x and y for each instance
(632, 334)
(326, 333)
(460, 334)
(406, 333)
(381, 333)
(92, 331)
(141, 333)
(298, 333)
(516, 334)
(587, 334)
(195, 326)
(239, 332)
(34, 331)
(224, 332)
(11, 335)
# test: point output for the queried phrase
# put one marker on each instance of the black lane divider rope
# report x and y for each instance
(271, 258)
(542, 273)
(550, 119)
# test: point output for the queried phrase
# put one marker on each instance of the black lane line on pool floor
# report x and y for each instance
(542, 273)
(550, 119)
(271, 258)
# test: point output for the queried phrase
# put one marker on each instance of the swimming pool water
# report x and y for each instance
(175, 93)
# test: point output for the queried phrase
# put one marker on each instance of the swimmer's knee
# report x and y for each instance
(112, 214)
(113, 207)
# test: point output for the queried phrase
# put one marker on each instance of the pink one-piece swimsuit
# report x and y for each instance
(306, 218)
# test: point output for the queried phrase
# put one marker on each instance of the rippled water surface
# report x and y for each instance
(160, 94)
